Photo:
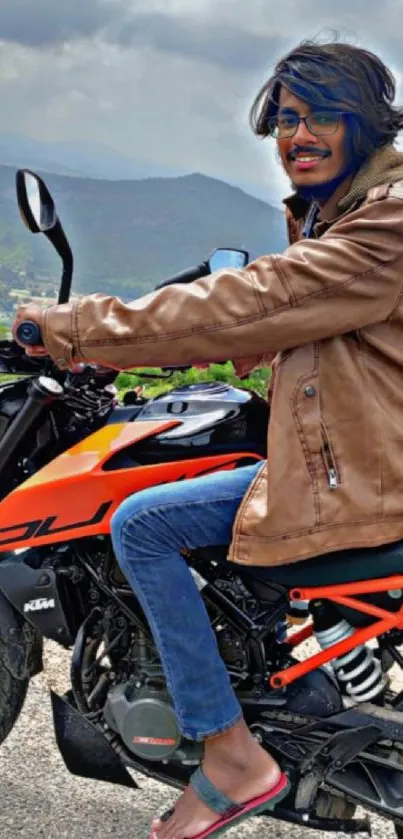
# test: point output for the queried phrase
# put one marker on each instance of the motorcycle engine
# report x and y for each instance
(145, 720)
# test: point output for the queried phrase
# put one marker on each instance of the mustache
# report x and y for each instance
(307, 150)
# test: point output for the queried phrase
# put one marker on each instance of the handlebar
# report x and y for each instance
(29, 333)
(187, 276)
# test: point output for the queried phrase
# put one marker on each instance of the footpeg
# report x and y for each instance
(339, 750)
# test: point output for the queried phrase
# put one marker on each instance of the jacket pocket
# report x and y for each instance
(332, 469)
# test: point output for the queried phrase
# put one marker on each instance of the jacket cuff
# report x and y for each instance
(59, 333)
(244, 366)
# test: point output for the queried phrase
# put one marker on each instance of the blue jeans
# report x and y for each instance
(149, 530)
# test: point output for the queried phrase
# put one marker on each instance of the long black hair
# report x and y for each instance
(341, 76)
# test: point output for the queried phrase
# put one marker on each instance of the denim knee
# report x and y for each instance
(131, 505)
(129, 510)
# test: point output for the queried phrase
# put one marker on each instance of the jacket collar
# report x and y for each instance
(384, 166)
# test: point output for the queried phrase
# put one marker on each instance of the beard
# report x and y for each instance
(322, 192)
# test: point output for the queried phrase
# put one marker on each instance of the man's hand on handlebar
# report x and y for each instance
(31, 312)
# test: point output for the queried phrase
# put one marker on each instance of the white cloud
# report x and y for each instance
(167, 80)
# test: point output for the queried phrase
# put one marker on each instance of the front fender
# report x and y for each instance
(21, 645)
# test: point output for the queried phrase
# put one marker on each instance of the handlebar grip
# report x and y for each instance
(187, 276)
(29, 333)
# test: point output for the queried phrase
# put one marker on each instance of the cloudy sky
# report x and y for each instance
(167, 81)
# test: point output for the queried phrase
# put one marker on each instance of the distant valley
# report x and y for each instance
(127, 235)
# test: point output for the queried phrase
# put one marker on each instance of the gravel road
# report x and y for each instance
(39, 799)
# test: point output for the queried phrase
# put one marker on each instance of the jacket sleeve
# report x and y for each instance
(348, 279)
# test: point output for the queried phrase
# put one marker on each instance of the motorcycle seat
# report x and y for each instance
(327, 569)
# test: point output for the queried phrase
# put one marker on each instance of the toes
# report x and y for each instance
(158, 823)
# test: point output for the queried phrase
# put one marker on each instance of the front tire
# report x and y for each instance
(12, 697)
(20, 658)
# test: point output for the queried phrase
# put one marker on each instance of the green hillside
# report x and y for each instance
(127, 235)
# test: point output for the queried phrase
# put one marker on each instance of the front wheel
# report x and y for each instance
(20, 658)
(12, 696)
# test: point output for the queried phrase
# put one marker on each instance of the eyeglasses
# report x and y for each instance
(318, 123)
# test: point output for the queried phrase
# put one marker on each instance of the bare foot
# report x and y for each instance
(238, 766)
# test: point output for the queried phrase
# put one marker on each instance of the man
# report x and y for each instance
(331, 308)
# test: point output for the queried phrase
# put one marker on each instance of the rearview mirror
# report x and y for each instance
(38, 213)
(35, 202)
(228, 258)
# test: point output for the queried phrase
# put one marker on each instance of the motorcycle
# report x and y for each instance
(70, 451)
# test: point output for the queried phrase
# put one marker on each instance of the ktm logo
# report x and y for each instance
(39, 605)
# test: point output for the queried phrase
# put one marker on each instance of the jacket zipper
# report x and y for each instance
(331, 467)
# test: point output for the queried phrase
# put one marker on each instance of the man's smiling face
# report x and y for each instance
(310, 160)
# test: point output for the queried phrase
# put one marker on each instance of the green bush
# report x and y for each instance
(257, 381)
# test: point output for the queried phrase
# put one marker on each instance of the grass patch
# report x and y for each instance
(257, 381)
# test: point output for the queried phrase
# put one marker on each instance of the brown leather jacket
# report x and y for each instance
(331, 308)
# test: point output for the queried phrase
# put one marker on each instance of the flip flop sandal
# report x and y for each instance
(230, 812)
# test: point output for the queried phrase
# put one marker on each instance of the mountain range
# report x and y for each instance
(127, 235)
(91, 159)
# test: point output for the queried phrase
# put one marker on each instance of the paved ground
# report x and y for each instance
(39, 799)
